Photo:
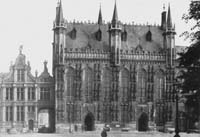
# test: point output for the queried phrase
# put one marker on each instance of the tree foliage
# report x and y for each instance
(190, 59)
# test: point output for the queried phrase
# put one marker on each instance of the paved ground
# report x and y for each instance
(97, 134)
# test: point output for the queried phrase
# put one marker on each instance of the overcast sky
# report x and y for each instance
(29, 23)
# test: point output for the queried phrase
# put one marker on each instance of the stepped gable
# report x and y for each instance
(136, 35)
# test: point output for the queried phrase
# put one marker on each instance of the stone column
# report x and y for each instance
(3, 129)
(15, 94)
(3, 94)
(37, 93)
(26, 94)
(15, 107)
(4, 113)
(3, 105)
(14, 114)
(26, 107)
(37, 97)
(26, 115)
(36, 116)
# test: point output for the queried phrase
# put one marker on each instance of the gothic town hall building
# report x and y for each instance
(113, 74)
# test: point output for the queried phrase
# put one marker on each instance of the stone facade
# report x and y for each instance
(113, 74)
(23, 96)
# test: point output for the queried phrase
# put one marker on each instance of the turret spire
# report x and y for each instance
(59, 13)
(20, 49)
(115, 15)
(100, 16)
(163, 18)
(163, 7)
(169, 18)
(45, 66)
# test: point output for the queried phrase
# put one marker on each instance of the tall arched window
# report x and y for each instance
(88, 84)
(97, 82)
(69, 92)
(106, 84)
(160, 83)
(106, 87)
(124, 85)
(69, 82)
(78, 81)
(142, 82)
(133, 82)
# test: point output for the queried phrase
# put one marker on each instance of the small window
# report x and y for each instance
(20, 75)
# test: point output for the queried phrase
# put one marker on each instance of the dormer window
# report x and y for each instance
(98, 35)
(149, 35)
(124, 36)
(20, 75)
(73, 33)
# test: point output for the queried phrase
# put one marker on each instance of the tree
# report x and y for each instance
(190, 61)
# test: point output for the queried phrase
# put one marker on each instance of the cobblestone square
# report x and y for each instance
(97, 134)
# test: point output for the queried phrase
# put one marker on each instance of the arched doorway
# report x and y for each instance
(89, 122)
(143, 122)
(30, 124)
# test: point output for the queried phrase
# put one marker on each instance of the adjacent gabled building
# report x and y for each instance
(24, 97)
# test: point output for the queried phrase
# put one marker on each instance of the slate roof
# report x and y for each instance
(136, 35)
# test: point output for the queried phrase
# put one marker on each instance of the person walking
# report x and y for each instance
(104, 133)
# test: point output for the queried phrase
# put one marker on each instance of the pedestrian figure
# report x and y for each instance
(104, 133)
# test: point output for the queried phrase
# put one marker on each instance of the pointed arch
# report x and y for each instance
(143, 122)
(89, 122)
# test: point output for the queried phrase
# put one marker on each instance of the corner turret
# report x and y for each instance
(59, 36)
(169, 40)
(115, 38)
